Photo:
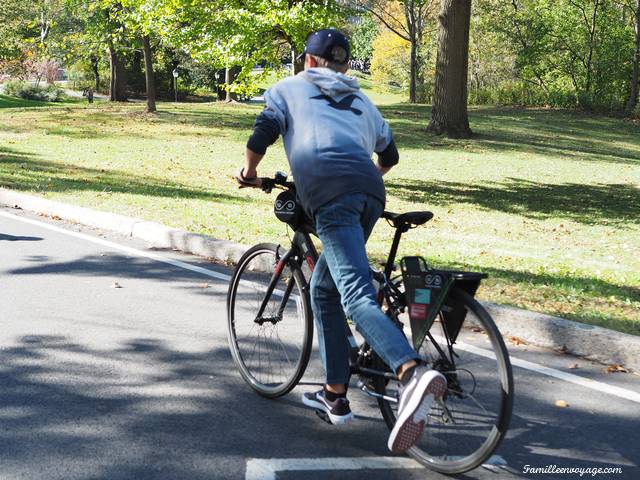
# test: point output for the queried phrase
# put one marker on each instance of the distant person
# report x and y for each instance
(90, 95)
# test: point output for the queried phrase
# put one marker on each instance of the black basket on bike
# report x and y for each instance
(427, 294)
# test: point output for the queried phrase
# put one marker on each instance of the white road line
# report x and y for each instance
(559, 374)
(129, 250)
(266, 468)
(534, 367)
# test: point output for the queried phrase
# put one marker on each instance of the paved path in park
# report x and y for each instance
(136, 382)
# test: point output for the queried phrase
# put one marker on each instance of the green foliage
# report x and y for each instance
(29, 91)
(17, 30)
(362, 38)
(242, 34)
(575, 53)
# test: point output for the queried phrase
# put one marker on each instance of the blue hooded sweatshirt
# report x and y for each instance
(330, 130)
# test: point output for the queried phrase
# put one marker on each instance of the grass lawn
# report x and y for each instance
(547, 202)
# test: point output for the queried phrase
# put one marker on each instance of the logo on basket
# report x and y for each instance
(433, 280)
(288, 206)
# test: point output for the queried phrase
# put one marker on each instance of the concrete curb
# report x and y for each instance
(594, 343)
(589, 341)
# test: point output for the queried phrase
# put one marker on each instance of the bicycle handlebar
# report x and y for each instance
(279, 179)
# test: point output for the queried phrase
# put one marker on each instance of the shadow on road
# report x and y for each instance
(13, 238)
(145, 410)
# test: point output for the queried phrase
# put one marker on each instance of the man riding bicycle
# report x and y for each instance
(330, 130)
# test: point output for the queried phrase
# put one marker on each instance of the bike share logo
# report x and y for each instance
(433, 280)
(285, 206)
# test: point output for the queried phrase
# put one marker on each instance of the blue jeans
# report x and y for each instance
(342, 282)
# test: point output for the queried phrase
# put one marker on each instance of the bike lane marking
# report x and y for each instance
(122, 248)
(535, 367)
(267, 468)
(552, 372)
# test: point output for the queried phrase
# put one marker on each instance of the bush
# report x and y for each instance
(29, 91)
(520, 93)
(390, 62)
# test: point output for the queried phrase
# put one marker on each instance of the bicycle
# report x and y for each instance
(270, 332)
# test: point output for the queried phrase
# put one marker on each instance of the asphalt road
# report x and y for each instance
(136, 382)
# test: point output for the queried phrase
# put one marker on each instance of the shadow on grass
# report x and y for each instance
(575, 135)
(602, 204)
(234, 117)
(7, 101)
(563, 286)
(113, 121)
(21, 171)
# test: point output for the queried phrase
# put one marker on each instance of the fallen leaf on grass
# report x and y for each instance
(615, 368)
(516, 340)
(116, 285)
(561, 404)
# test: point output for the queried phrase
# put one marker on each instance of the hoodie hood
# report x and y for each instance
(330, 82)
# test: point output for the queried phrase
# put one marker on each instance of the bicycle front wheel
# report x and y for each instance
(465, 428)
(269, 321)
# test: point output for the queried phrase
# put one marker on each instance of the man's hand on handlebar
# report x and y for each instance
(248, 179)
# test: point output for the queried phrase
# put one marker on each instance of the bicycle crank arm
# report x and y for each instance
(371, 393)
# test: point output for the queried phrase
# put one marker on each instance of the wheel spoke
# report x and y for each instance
(271, 356)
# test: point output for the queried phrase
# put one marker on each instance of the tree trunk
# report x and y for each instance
(118, 83)
(449, 113)
(96, 71)
(230, 75)
(296, 66)
(633, 97)
(148, 75)
(413, 72)
(220, 90)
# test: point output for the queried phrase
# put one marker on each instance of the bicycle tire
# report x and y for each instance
(242, 276)
(457, 465)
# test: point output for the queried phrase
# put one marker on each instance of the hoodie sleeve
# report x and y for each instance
(271, 123)
(385, 145)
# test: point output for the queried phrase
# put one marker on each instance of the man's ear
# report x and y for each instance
(310, 62)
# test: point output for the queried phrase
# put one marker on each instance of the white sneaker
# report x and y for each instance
(414, 402)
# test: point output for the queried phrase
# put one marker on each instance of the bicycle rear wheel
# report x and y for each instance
(465, 428)
(271, 350)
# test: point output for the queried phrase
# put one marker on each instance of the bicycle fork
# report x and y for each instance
(280, 265)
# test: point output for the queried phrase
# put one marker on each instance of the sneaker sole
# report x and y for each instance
(335, 419)
(410, 425)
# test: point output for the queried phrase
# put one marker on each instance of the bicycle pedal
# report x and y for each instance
(324, 416)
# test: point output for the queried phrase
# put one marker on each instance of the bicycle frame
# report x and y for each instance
(303, 250)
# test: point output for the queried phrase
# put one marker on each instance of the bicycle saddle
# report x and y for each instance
(408, 218)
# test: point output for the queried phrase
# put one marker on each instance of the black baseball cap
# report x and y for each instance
(323, 42)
